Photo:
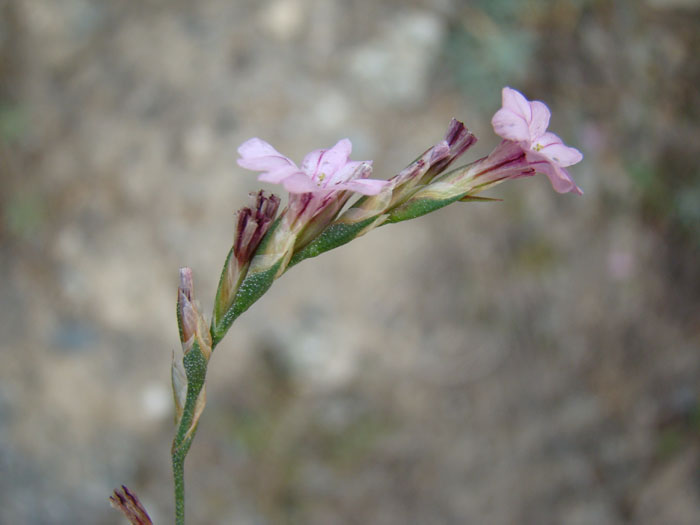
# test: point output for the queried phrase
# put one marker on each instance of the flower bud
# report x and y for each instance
(416, 175)
(193, 330)
(127, 502)
(252, 224)
(505, 162)
(186, 310)
(190, 320)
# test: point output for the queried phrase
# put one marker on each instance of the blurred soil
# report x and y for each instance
(530, 361)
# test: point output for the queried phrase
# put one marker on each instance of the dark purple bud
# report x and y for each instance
(252, 225)
(459, 139)
(127, 502)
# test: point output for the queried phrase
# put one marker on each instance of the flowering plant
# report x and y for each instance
(267, 243)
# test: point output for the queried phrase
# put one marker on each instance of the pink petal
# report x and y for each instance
(258, 155)
(312, 160)
(256, 147)
(327, 161)
(351, 170)
(561, 180)
(342, 148)
(554, 148)
(540, 119)
(300, 183)
(516, 102)
(365, 186)
(353, 177)
(278, 175)
(510, 125)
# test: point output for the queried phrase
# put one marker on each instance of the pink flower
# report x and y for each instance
(525, 123)
(322, 171)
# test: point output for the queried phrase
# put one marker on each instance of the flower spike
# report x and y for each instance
(266, 245)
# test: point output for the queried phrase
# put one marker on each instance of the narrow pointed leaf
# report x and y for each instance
(475, 198)
(333, 236)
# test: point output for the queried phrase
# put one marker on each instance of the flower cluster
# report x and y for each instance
(315, 220)
(527, 148)
(266, 244)
(321, 186)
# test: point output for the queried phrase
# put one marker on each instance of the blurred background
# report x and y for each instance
(530, 361)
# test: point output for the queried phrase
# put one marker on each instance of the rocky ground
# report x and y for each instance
(530, 361)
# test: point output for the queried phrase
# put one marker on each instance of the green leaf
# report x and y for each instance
(470, 198)
(333, 236)
(251, 289)
(253, 286)
(419, 206)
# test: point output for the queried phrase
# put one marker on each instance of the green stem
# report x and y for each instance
(196, 369)
(179, 477)
(181, 446)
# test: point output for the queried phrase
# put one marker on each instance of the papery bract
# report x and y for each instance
(525, 123)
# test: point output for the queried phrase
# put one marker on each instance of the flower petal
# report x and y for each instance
(342, 149)
(258, 155)
(276, 176)
(554, 148)
(540, 119)
(365, 186)
(256, 147)
(327, 161)
(510, 126)
(311, 161)
(515, 101)
(300, 182)
(561, 180)
(351, 170)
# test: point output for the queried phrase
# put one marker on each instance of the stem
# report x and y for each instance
(196, 369)
(179, 476)
(181, 445)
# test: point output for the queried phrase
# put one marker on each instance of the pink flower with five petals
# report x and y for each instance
(322, 171)
(525, 123)
(318, 189)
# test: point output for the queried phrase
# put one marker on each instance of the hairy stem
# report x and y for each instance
(196, 368)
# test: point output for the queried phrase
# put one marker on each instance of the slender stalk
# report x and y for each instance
(181, 445)
(195, 365)
(179, 454)
(179, 477)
